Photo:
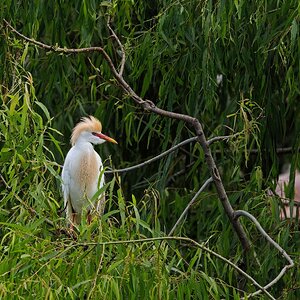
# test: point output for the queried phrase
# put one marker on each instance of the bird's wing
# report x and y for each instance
(66, 178)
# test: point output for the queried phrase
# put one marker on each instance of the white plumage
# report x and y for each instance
(81, 171)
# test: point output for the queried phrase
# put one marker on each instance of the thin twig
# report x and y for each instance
(206, 183)
(283, 150)
(123, 54)
(221, 138)
(65, 50)
(240, 213)
(97, 274)
(192, 139)
(5, 183)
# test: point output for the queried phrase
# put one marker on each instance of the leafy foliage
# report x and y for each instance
(176, 51)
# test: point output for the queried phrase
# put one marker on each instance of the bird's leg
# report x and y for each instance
(72, 222)
(71, 231)
(89, 218)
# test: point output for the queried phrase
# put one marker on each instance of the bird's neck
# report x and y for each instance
(83, 146)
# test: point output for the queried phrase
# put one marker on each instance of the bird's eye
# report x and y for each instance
(94, 133)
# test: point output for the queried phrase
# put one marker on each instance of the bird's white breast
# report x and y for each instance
(80, 175)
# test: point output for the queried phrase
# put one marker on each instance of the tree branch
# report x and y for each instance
(64, 50)
(240, 213)
(123, 54)
(221, 138)
(192, 139)
(279, 151)
(206, 183)
(282, 150)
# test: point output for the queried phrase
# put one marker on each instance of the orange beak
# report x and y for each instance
(105, 137)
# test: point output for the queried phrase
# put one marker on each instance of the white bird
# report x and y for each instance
(81, 171)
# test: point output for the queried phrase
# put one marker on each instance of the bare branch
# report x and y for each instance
(192, 139)
(240, 213)
(206, 183)
(123, 54)
(65, 50)
(285, 150)
(221, 138)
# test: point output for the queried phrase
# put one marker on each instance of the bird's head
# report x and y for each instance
(89, 130)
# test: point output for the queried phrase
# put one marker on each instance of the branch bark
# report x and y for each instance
(291, 264)
(123, 53)
(206, 183)
(153, 158)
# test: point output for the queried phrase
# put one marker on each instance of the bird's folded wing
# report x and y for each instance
(66, 188)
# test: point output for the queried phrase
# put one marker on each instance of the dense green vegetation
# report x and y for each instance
(175, 52)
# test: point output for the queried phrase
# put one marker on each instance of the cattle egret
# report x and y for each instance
(81, 171)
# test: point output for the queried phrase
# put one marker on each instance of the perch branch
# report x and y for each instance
(206, 183)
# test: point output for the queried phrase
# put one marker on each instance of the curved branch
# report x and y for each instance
(123, 54)
(192, 139)
(206, 183)
(64, 50)
(240, 213)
